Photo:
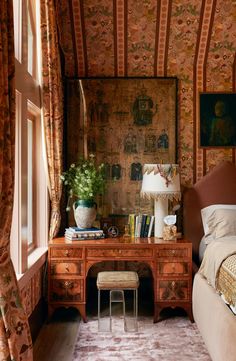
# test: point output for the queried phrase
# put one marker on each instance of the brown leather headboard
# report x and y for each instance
(217, 187)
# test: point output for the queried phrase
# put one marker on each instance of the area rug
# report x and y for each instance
(174, 339)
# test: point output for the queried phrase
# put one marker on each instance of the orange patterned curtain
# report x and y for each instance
(52, 108)
(15, 338)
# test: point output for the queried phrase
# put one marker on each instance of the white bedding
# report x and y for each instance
(215, 253)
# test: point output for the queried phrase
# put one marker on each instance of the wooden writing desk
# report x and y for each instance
(169, 261)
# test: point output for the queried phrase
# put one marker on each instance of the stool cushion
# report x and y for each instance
(117, 280)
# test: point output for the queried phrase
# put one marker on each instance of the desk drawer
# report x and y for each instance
(176, 252)
(119, 253)
(66, 290)
(68, 252)
(172, 290)
(176, 268)
(65, 268)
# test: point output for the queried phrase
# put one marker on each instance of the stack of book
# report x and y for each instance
(77, 234)
(141, 225)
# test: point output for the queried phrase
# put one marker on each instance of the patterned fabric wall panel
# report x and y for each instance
(141, 22)
(222, 48)
(183, 30)
(221, 65)
(98, 18)
(194, 41)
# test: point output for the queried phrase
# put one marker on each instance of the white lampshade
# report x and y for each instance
(161, 182)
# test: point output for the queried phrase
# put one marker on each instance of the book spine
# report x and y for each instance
(68, 231)
(136, 225)
(132, 224)
(151, 226)
(139, 225)
(79, 230)
(84, 238)
(147, 224)
(83, 234)
(143, 225)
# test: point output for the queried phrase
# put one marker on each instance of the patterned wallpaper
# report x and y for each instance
(195, 41)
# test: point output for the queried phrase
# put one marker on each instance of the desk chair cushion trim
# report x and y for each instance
(117, 280)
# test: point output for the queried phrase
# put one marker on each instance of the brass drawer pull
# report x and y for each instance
(67, 253)
(173, 252)
(67, 284)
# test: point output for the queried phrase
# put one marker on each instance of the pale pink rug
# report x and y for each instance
(174, 339)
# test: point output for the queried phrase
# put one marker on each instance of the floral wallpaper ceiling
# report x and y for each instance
(195, 41)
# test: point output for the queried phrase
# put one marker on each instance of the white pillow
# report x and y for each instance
(222, 223)
(207, 212)
(202, 248)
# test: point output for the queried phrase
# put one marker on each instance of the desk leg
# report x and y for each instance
(186, 306)
(80, 308)
(82, 311)
(188, 309)
(50, 312)
(157, 311)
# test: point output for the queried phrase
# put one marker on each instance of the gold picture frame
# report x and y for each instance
(125, 123)
(217, 120)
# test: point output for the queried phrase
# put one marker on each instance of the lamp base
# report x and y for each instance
(161, 211)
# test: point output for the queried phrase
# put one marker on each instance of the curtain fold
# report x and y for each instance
(15, 338)
(52, 109)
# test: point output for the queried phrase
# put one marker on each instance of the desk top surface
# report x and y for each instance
(117, 241)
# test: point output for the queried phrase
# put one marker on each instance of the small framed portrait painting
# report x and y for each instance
(218, 120)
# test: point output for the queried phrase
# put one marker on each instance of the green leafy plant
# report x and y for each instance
(85, 179)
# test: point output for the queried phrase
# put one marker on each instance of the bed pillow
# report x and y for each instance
(221, 223)
(202, 248)
(207, 211)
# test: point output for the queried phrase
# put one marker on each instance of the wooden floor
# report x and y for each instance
(56, 339)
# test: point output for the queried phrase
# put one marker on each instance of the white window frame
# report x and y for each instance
(28, 101)
(17, 11)
(32, 17)
(31, 179)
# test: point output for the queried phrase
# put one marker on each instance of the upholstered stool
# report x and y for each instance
(117, 282)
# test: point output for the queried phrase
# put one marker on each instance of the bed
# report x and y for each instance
(215, 268)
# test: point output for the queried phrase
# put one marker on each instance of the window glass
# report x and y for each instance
(30, 184)
(30, 45)
(32, 39)
(17, 11)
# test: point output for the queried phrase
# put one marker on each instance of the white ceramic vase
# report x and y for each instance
(85, 212)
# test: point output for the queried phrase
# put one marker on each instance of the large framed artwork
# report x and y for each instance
(217, 120)
(127, 122)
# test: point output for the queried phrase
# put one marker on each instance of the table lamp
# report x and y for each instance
(162, 183)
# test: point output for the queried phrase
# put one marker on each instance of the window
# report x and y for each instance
(32, 51)
(30, 46)
(17, 7)
(30, 193)
(30, 221)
